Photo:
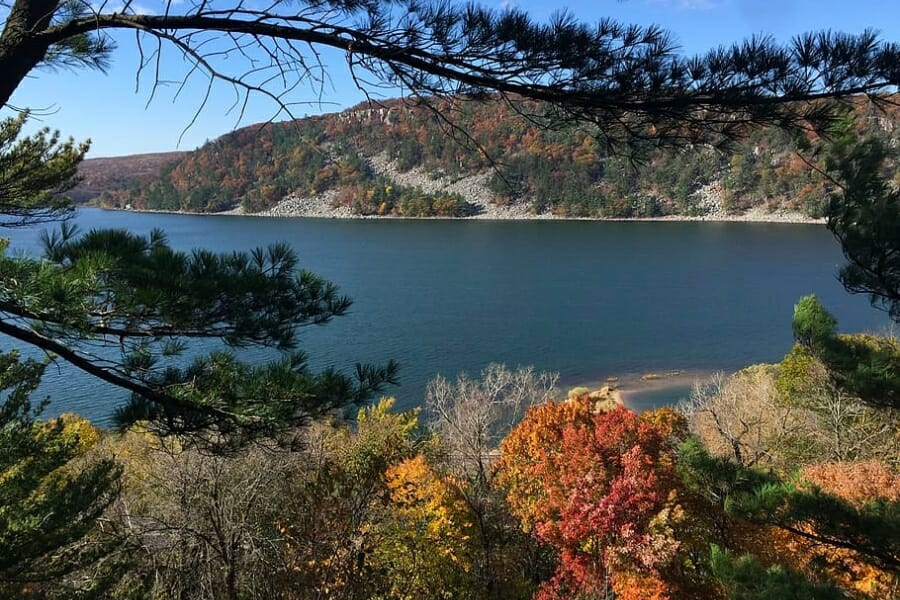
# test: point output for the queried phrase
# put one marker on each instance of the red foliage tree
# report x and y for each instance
(601, 488)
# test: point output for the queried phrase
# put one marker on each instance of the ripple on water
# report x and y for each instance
(586, 299)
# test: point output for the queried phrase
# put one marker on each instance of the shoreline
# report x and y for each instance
(629, 386)
(752, 216)
(474, 190)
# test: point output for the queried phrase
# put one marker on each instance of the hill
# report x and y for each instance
(400, 160)
(108, 174)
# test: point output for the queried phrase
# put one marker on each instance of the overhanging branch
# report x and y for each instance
(490, 73)
(150, 393)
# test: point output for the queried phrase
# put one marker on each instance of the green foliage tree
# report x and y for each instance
(813, 326)
(34, 173)
(765, 499)
(865, 366)
(865, 217)
(746, 578)
(122, 307)
(48, 503)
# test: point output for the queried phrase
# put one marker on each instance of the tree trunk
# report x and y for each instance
(20, 50)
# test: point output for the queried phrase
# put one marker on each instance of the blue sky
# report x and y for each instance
(119, 120)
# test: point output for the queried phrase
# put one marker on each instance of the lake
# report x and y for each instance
(587, 299)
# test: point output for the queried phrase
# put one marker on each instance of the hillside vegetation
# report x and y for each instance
(771, 483)
(99, 175)
(340, 158)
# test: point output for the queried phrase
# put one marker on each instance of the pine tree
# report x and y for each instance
(864, 215)
(35, 171)
(48, 503)
(867, 367)
(123, 307)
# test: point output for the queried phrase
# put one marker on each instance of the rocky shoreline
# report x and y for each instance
(320, 207)
(473, 188)
(617, 390)
(624, 388)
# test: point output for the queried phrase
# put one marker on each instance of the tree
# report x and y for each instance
(34, 172)
(742, 417)
(788, 415)
(427, 548)
(629, 81)
(837, 425)
(601, 488)
(120, 306)
(865, 217)
(340, 537)
(317, 520)
(813, 326)
(746, 578)
(859, 483)
(870, 530)
(471, 417)
(827, 407)
(866, 366)
(50, 496)
(194, 524)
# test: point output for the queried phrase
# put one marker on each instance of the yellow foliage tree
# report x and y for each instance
(425, 547)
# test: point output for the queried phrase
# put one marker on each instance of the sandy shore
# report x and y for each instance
(629, 385)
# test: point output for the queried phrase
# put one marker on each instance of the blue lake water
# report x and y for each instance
(587, 299)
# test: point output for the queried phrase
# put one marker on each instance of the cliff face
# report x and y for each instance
(396, 160)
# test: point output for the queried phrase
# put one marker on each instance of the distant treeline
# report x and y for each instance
(564, 171)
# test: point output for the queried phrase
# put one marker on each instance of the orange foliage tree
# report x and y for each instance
(602, 489)
(859, 483)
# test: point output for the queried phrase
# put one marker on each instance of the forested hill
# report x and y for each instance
(385, 159)
(100, 175)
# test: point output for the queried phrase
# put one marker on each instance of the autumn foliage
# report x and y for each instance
(602, 489)
(585, 499)
(565, 171)
(859, 483)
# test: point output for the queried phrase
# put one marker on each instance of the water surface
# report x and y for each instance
(587, 299)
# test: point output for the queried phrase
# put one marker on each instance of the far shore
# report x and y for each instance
(474, 190)
(752, 216)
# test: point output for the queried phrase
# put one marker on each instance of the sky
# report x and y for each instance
(120, 116)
